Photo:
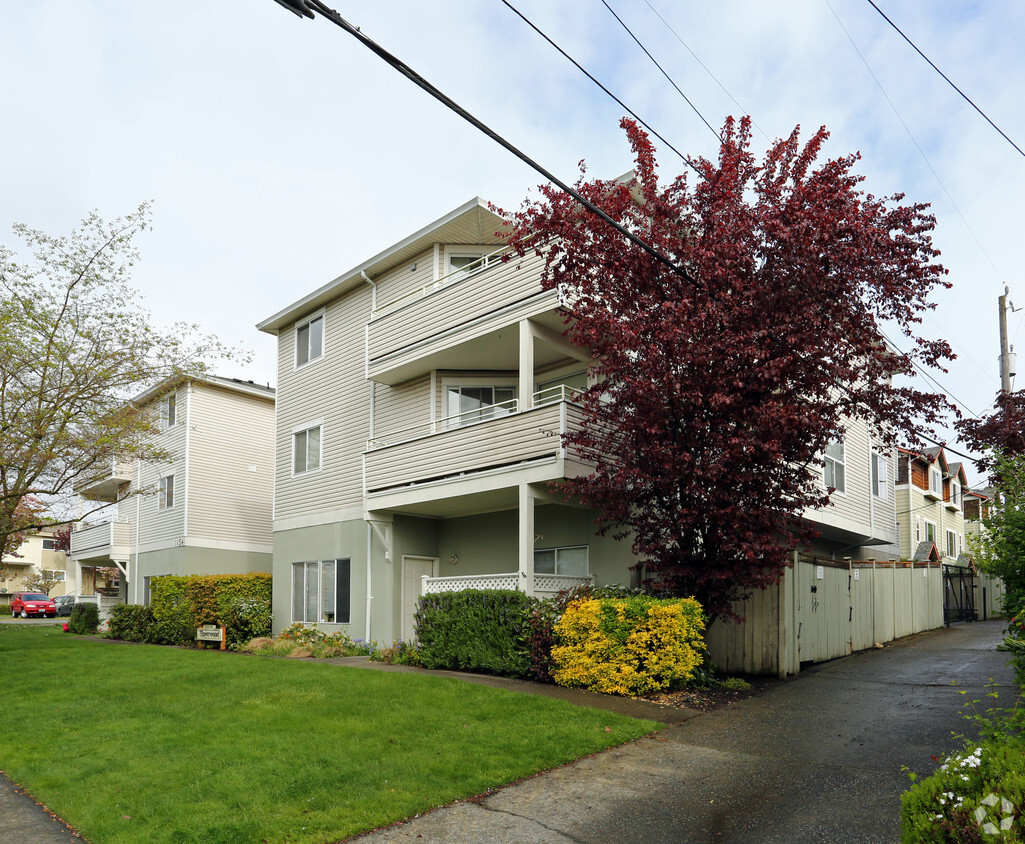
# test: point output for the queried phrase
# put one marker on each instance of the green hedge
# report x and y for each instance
(474, 630)
(84, 620)
(180, 604)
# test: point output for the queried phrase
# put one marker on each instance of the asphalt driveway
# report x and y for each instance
(817, 759)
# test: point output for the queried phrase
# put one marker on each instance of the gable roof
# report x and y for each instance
(235, 384)
(471, 223)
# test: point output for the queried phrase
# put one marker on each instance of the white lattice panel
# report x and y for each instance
(551, 584)
(471, 581)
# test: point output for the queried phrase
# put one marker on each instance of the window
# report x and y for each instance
(935, 482)
(320, 592)
(166, 499)
(571, 561)
(309, 341)
(834, 472)
(465, 263)
(879, 475)
(955, 493)
(930, 531)
(306, 450)
(47, 544)
(918, 528)
(55, 575)
(467, 404)
(168, 411)
(951, 544)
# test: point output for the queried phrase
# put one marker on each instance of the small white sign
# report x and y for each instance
(820, 572)
(857, 574)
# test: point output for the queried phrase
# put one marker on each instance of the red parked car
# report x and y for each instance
(32, 603)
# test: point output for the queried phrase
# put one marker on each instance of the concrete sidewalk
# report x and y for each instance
(814, 760)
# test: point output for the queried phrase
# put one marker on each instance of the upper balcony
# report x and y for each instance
(483, 454)
(106, 481)
(107, 541)
(430, 327)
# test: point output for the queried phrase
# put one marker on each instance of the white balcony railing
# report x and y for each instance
(545, 585)
(549, 396)
(483, 263)
(110, 539)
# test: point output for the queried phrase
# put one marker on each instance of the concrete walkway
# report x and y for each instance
(816, 759)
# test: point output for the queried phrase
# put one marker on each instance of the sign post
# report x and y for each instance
(212, 633)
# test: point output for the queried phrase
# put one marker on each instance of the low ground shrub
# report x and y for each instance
(629, 646)
(978, 793)
(84, 619)
(299, 641)
(475, 630)
(401, 653)
(130, 622)
(539, 636)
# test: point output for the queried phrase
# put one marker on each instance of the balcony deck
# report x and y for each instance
(106, 483)
(437, 455)
(424, 330)
(108, 541)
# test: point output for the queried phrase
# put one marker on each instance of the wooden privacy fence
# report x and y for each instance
(823, 609)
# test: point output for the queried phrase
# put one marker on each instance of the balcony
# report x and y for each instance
(106, 482)
(430, 327)
(108, 541)
(545, 585)
(485, 451)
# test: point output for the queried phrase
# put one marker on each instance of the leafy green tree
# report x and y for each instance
(75, 346)
(999, 549)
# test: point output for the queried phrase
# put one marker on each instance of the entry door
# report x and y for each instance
(413, 568)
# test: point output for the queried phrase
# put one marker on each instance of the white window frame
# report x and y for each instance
(557, 550)
(841, 488)
(305, 429)
(499, 381)
(956, 496)
(56, 575)
(306, 323)
(951, 543)
(935, 531)
(51, 544)
(169, 410)
(935, 482)
(879, 475)
(485, 256)
(319, 612)
(166, 492)
(918, 528)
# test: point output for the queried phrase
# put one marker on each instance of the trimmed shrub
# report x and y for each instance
(131, 622)
(539, 637)
(475, 630)
(239, 602)
(629, 646)
(84, 619)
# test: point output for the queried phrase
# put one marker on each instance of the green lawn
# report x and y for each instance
(139, 743)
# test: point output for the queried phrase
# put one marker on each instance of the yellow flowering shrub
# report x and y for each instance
(628, 646)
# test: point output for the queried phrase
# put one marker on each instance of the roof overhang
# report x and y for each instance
(471, 223)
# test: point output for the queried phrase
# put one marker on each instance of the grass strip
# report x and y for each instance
(144, 743)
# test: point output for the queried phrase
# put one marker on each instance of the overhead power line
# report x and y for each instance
(306, 8)
(966, 98)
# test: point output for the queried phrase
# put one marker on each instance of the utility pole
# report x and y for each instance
(1008, 359)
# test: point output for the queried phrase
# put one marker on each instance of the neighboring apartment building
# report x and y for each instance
(35, 556)
(930, 502)
(207, 511)
(421, 398)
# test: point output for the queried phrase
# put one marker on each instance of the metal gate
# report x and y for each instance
(958, 594)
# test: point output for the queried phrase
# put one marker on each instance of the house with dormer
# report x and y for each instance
(930, 506)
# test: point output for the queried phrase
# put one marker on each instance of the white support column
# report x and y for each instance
(526, 539)
(525, 389)
(76, 586)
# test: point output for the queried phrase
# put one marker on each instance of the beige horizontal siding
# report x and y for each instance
(404, 280)
(401, 407)
(510, 439)
(456, 305)
(231, 465)
(332, 389)
(151, 524)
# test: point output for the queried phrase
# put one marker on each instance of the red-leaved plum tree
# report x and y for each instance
(716, 397)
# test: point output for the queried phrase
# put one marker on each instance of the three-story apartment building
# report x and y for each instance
(205, 511)
(930, 502)
(421, 400)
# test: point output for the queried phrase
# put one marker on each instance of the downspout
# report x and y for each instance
(366, 369)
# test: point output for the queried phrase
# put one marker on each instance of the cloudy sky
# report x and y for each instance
(280, 152)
